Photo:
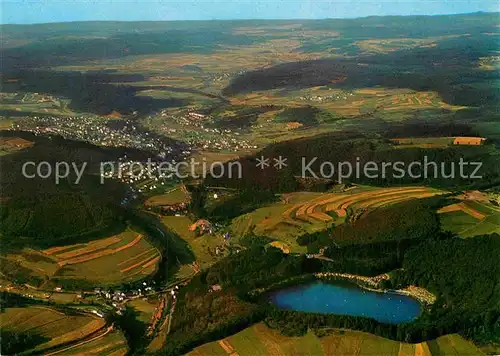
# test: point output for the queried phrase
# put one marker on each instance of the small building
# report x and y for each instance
(470, 141)
(216, 287)
(98, 313)
(201, 227)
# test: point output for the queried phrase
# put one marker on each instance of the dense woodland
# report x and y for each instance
(404, 221)
(16, 342)
(358, 150)
(307, 116)
(40, 207)
(465, 274)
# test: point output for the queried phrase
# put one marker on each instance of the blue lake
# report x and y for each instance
(347, 299)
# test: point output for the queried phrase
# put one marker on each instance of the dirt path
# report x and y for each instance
(170, 316)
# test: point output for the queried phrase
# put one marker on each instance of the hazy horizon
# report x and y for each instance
(54, 11)
(250, 19)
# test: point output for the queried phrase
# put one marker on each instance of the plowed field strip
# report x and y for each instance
(151, 262)
(395, 198)
(137, 256)
(140, 263)
(474, 213)
(90, 247)
(462, 207)
(367, 196)
(106, 252)
(395, 201)
(321, 216)
(130, 244)
(449, 208)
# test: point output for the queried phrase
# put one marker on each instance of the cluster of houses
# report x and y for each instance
(120, 296)
(14, 98)
(194, 129)
(221, 76)
(144, 177)
(173, 209)
(344, 95)
(95, 130)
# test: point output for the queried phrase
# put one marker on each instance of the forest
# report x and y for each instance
(38, 206)
(352, 148)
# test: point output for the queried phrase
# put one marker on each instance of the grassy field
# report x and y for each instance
(12, 144)
(471, 218)
(125, 257)
(145, 307)
(305, 212)
(202, 246)
(260, 340)
(58, 327)
(174, 196)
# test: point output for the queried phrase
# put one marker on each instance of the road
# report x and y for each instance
(83, 342)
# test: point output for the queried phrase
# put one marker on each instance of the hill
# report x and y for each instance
(264, 341)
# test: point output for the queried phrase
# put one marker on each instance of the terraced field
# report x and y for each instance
(471, 218)
(358, 101)
(52, 324)
(124, 257)
(300, 213)
(260, 340)
(129, 258)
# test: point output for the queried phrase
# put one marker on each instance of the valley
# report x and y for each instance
(124, 258)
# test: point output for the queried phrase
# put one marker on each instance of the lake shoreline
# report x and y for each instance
(343, 297)
(422, 295)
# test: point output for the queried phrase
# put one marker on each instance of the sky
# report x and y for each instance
(42, 11)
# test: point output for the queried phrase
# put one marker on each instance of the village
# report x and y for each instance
(194, 129)
(98, 131)
(343, 95)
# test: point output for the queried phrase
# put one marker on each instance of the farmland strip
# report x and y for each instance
(130, 244)
(138, 264)
(137, 256)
